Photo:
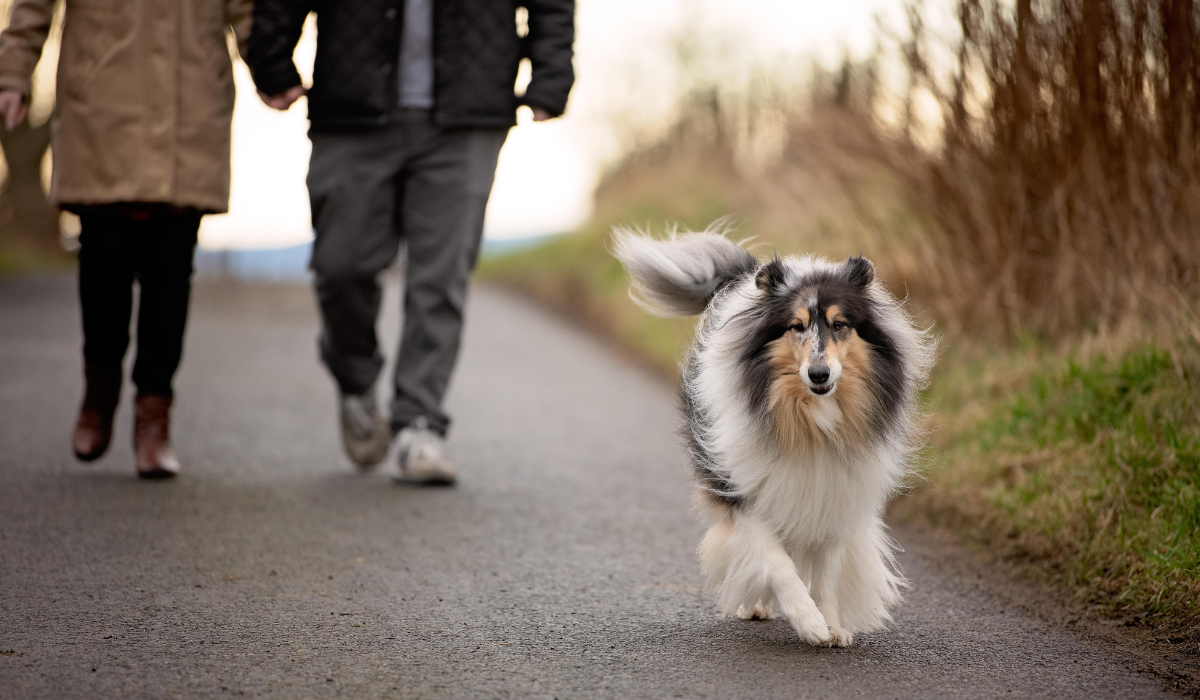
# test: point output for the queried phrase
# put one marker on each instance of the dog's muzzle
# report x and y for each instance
(819, 379)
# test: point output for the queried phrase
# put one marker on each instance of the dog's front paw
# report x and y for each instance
(839, 637)
(811, 627)
(758, 611)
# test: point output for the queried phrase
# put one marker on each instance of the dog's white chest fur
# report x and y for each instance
(811, 500)
(826, 414)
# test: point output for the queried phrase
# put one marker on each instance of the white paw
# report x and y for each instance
(758, 611)
(811, 627)
(839, 637)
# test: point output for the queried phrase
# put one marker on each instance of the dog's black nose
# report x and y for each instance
(819, 374)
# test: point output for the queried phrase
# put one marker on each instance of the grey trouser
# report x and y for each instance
(370, 190)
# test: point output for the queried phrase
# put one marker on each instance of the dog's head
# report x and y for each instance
(818, 359)
(822, 336)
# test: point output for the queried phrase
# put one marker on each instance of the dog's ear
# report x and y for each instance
(770, 276)
(860, 271)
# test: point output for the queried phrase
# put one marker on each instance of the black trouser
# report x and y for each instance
(415, 183)
(154, 245)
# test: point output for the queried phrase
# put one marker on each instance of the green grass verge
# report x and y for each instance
(1090, 473)
(18, 258)
(1086, 471)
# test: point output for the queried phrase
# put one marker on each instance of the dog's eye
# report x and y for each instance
(839, 326)
(799, 328)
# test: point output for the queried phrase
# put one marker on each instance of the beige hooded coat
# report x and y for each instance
(144, 99)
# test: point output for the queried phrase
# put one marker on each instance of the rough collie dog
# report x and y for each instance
(799, 396)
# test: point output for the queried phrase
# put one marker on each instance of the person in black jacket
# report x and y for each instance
(410, 104)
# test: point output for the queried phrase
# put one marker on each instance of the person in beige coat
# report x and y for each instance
(140, 138)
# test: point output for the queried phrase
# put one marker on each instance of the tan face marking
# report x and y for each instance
(788, 353)
(802, 317)
(833, 351)
(792, 404)
(832, 314)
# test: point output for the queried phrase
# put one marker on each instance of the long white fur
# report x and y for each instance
(810, 543)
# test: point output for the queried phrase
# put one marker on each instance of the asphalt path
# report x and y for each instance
(562, 566)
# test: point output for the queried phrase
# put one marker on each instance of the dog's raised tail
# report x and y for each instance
(678, 276)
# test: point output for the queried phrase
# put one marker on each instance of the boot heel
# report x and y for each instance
(93, 427)
(152, 438)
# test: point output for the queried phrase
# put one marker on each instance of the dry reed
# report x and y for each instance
(1057, 191)
(1065, 188)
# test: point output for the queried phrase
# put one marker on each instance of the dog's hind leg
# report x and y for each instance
(758, 610)
(756, 569)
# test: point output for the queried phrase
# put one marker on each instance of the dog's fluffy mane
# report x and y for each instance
(810, 470)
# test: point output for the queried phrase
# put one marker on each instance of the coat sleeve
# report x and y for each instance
(277, 25)
(548, 46)
(240, 16)
(21, 43)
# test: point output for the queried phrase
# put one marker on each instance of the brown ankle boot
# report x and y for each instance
(93, 428)
(152, 438)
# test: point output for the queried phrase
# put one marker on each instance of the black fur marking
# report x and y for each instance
(729, 271)
(770, 276)
(725, 282)
(888, 382)
(711, 477)
(860, 271)
(763, 324)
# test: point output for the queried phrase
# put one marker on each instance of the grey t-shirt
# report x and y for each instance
(416, 55)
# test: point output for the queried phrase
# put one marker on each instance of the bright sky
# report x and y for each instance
(547, 171)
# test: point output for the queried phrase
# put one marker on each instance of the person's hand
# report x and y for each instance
(283, 100)
(540, 115)
(13, 107)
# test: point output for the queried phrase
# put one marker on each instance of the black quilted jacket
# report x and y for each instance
(476, 53)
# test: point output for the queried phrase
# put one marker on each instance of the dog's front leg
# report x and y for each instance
(759, 568)
(827, 574)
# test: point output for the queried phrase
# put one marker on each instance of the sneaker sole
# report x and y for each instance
(425, 481)
(368, 462)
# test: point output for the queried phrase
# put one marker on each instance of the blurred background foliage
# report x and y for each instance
(29, 226)
(1031, 184)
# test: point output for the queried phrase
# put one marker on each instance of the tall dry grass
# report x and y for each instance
(1037, 173)
(1066, 188)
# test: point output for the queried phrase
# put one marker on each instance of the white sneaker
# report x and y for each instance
(365, 433)
(422, 457)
